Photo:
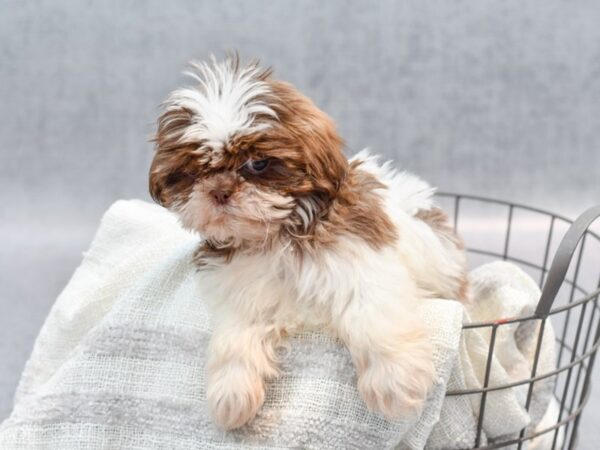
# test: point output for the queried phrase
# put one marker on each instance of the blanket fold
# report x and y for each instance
(119, 363)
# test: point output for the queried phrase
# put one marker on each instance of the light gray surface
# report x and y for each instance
(494, 98)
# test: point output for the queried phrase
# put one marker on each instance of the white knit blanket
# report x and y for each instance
(119, 362)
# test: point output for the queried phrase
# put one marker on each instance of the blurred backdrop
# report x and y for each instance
(500, 99)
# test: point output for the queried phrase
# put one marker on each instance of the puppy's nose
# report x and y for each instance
(221, 196)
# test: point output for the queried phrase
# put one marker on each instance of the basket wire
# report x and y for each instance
(571, 287)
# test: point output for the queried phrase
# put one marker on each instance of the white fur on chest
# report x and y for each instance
(280, 288)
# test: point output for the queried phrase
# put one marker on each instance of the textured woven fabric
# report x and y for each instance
(504, 290)
(119, 363)
(499, 290)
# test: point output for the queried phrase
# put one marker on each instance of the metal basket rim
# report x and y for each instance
(558, 309)
(513, 204)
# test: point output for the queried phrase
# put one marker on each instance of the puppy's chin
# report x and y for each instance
(251, 217)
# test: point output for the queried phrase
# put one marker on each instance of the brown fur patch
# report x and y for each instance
(360, 209)
(439, 223)
(437, 219)
(307, 140)
(175, 167)
(356, 210)
(208, 251)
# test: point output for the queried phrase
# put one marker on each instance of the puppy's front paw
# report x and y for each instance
(234, 395)
(397, 385)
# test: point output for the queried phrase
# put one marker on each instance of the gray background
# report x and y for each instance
(488, 97)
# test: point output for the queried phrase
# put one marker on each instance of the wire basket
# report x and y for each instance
(570, 283)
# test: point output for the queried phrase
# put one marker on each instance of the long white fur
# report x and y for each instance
(224, 102)
(364, 296)
(410, 192)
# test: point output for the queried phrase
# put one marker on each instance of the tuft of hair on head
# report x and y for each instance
(196, 122)
(227, 99)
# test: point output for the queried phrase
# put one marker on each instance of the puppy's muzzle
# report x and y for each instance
(221, 196)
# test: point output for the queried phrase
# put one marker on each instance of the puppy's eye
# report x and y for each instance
(256, 167)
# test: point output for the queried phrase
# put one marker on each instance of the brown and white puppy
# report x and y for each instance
(297, 237)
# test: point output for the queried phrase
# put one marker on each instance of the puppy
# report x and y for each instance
(297, 237)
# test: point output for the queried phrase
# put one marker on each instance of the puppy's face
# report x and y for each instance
(240, 155)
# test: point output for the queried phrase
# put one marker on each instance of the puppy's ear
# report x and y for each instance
(327, 164)
(316, 145)
(172, 173)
